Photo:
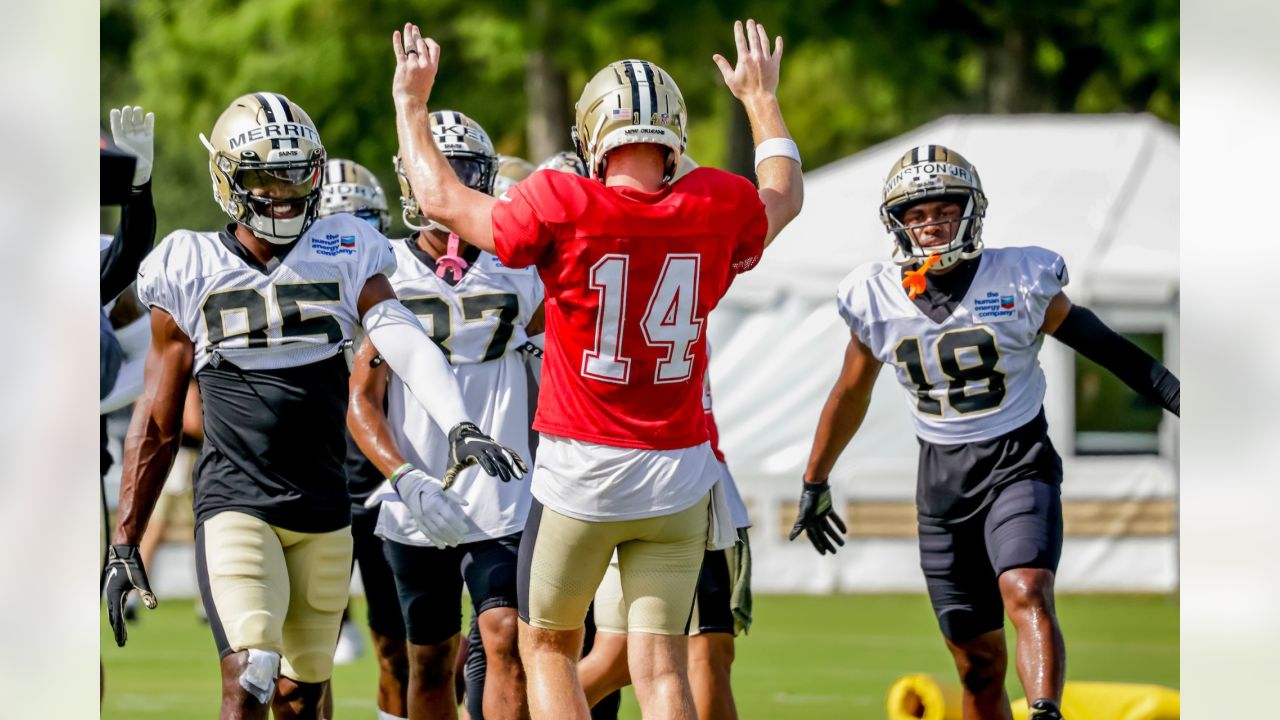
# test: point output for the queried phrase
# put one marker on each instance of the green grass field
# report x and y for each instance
(807, 657)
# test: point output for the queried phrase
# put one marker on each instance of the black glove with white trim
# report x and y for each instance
(123, 573)
(817, 519)
(468, 446)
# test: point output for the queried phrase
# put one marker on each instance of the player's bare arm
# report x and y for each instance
(149, 449)
(844, 411)
(754, 82)
(439, 193)
(1080, 329)
(366, 418)
(156, 427)
(842, 415)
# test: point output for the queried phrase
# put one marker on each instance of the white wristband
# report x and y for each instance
(777, 147)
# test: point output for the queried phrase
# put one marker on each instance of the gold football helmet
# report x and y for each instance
(511, 170)
(267, 164)
(349, 187)
(629, 101)
(933, 172)
(566, 162)
(469, 151)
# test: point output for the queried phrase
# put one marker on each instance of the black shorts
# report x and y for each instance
(379, 585)
(955, 483)
(429, 583)
(715, 593)
(1020, 528)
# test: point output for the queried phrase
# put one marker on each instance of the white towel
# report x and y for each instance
(721, 532)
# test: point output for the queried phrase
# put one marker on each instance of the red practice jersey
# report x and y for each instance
(630, 280)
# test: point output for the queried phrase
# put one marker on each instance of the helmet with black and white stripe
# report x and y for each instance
(470, 152)
(349, 187)
(934, 173)
(629, 101)
(266, 162)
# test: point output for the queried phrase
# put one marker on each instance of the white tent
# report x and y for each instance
(1101, 190)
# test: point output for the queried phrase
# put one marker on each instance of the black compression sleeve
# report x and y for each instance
(134, 239)
(1082, 331)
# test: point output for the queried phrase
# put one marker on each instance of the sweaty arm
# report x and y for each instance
(156, 427)
(1080, 329)
(845, 410)
(753, 80)
(439, 193)
(779, 178)
(397, 335)
(366, 418)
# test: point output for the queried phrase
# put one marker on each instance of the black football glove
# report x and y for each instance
(816, 519)
(123, 573)
(468, 446)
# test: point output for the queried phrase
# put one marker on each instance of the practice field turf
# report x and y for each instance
(807, 657)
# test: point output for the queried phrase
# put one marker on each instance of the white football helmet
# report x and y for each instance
(933, 172)
(267, 164)
(349, 187)
(469, 151)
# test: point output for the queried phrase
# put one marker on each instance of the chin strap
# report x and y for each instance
(451, 261)
(914, 281)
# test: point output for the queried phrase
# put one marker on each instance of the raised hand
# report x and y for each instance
(135, 132)
(417, 61)
(756, 71)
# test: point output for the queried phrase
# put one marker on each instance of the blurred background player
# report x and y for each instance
(480, 313)
(623, 458)
(273, 544)
(566, 162)
(964, 328)
(351, 188)
(721, 608)
(511, 170)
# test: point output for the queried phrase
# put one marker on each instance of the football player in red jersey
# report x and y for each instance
(633, 263)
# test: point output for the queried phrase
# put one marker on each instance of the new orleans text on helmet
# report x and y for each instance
(275, 130)
(929, 168)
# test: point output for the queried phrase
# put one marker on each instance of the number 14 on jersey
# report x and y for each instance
(670, 320)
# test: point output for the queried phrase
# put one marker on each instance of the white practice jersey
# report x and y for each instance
(976, 375)
(299, 310)
(479, 324)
